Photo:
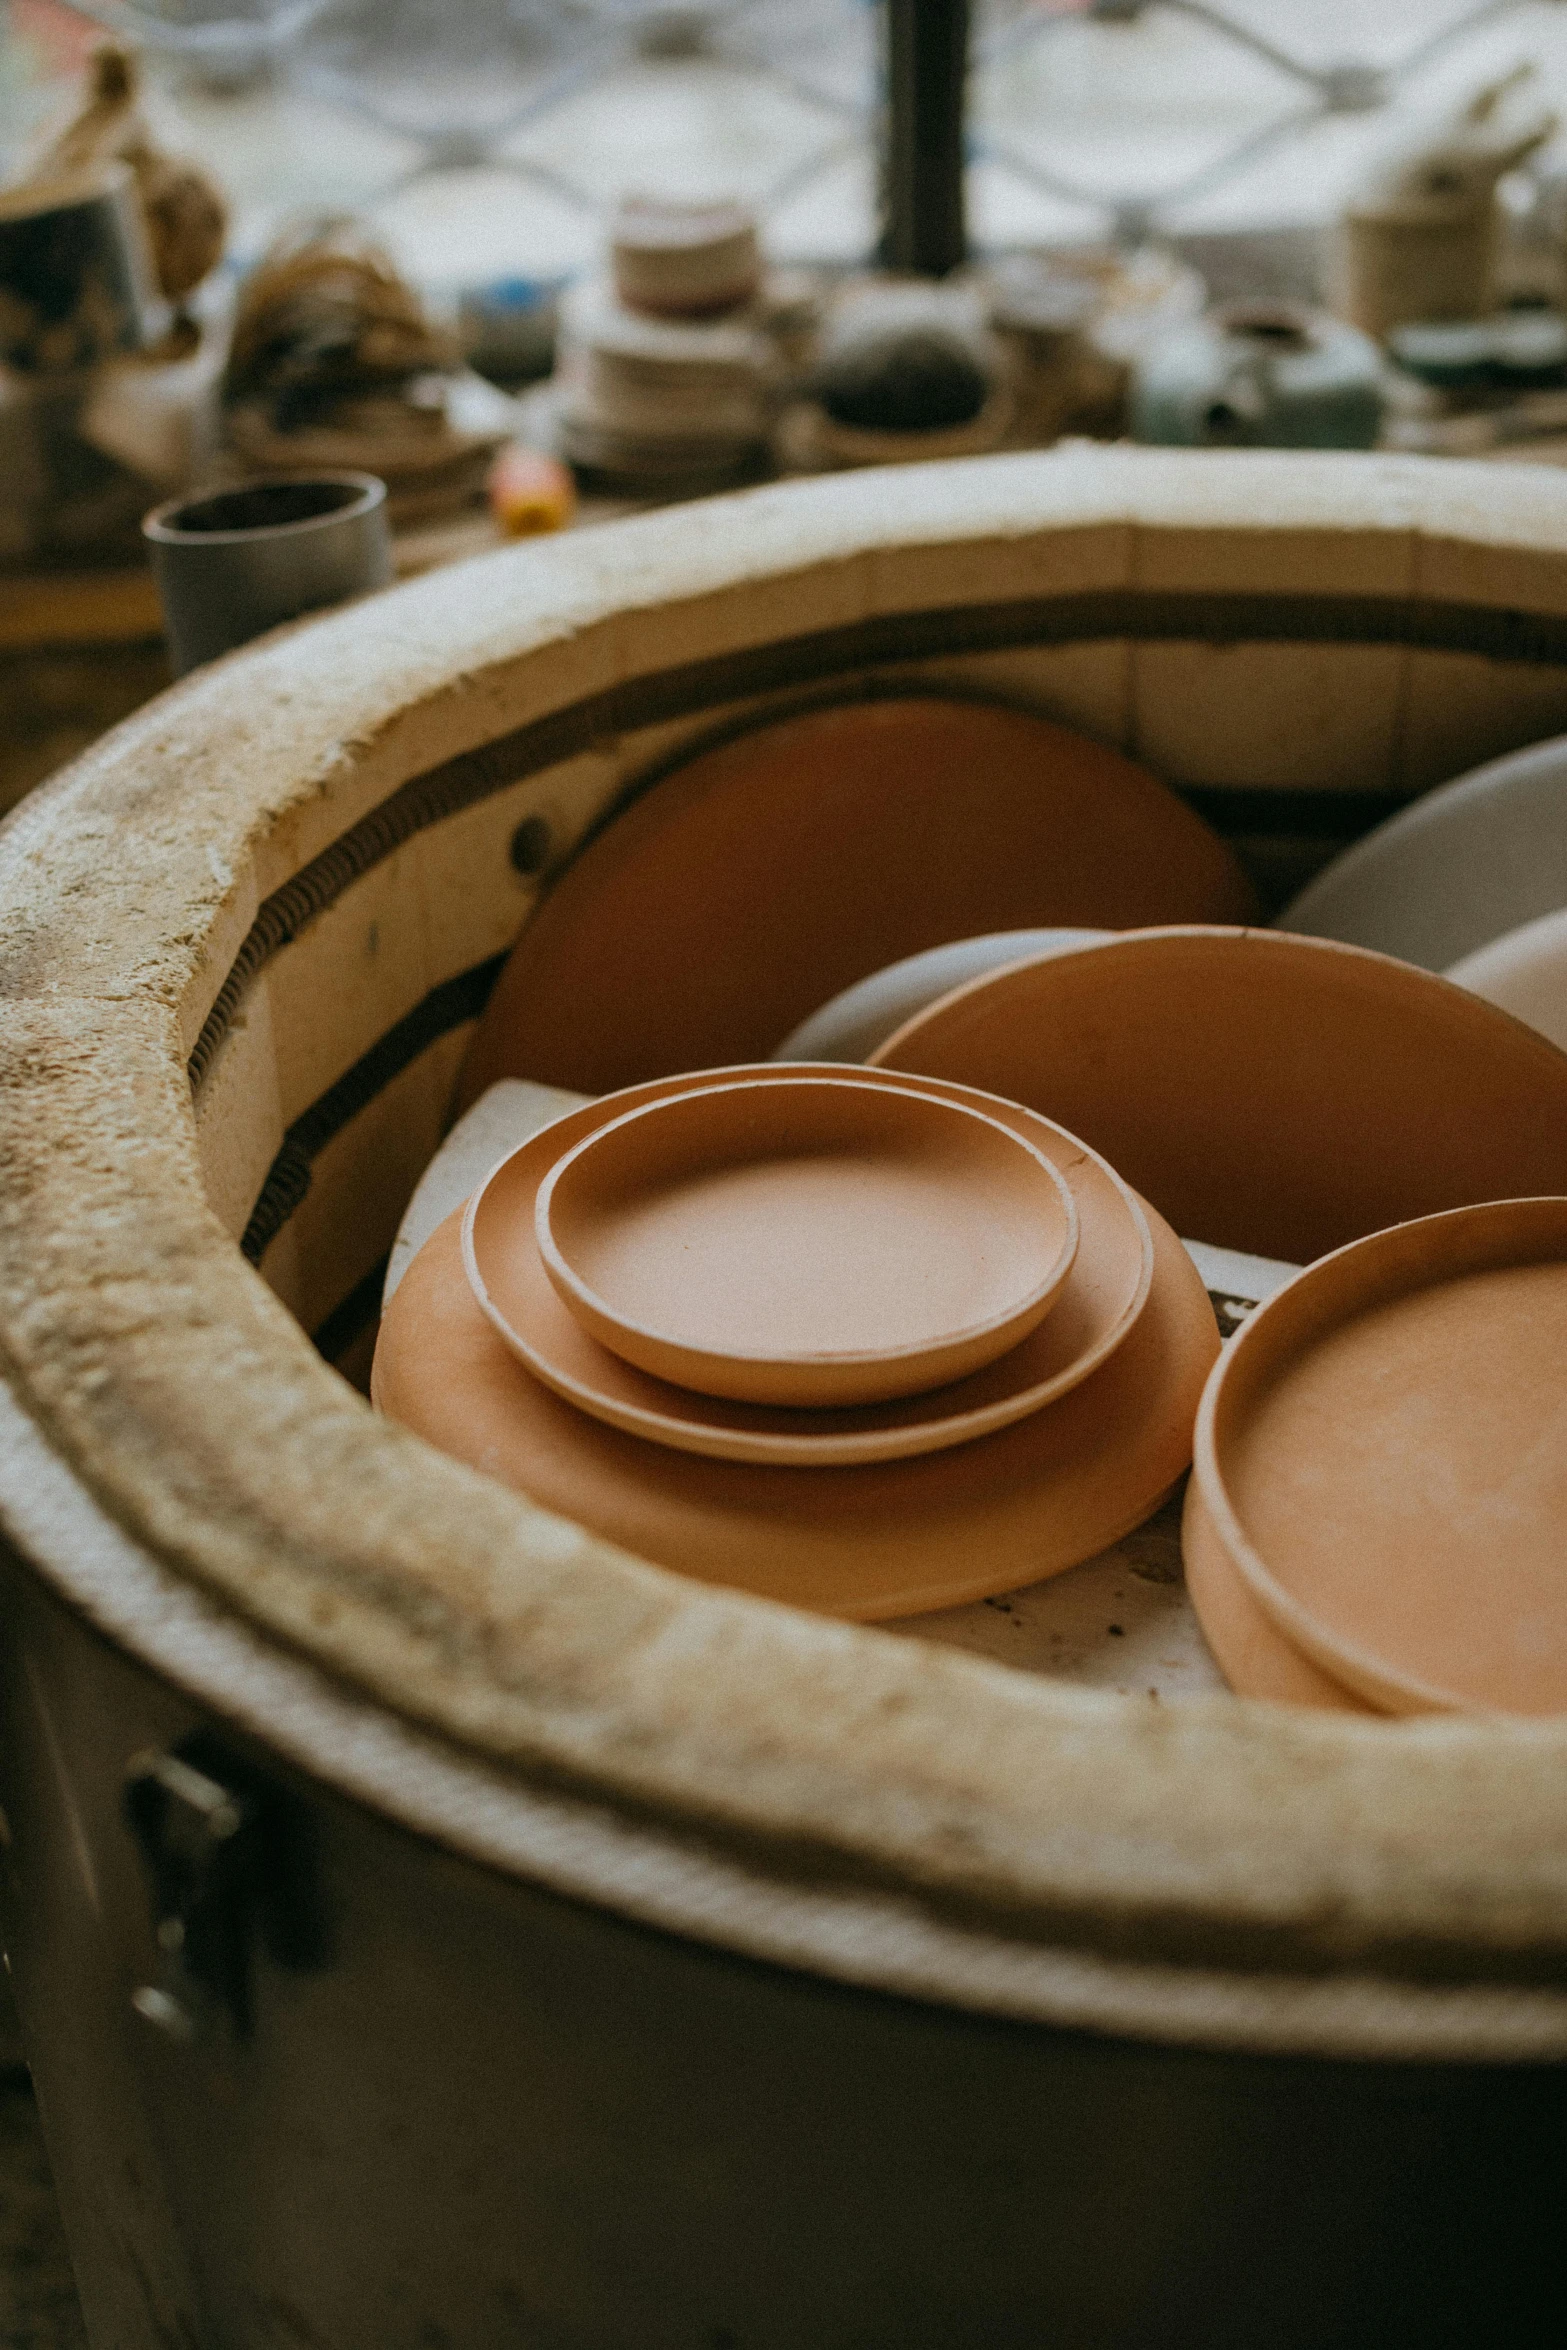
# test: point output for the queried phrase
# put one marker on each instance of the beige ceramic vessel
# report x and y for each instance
(965, 1974)
(1382, 1456)
(1270, 1093)
(1104, 1293)
(806, 1242)
(683, 260)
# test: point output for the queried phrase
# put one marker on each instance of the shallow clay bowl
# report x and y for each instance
(865, 1015)
(1100, 1301)
(1476, 858)
(1274, 1094)
(735, 895)
(1382, 1457)
(1525, 972)
(1254, 1656)
(806, 1240)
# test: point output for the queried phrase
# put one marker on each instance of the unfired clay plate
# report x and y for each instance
(886, 1539)
(1274, 1094)
(732, 897)
(1098, 1304)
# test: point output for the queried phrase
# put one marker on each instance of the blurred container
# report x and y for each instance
(1420, 234)
(1261, 375)
(75, 277)
(239, 561)
(506, 328)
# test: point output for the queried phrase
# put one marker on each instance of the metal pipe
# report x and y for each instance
(926, 56)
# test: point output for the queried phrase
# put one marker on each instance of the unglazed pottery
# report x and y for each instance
(866, 1014)
(1423, 224)
(657, 402)
(767, 873)
(887, 1539)
(1444, 877)
(805, 1241)
(688, 1964)
(1383, 1457)
(1103, 1295)
(1525, 972)
(1256, 1657)
(1274, 1094)
(683, 260)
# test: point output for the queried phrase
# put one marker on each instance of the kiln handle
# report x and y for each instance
(230, 1858)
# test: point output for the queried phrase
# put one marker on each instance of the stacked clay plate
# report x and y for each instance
(1024, 1343)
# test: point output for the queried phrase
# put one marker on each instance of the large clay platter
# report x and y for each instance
(771, 871)
(1273, 1094)
(882, 1540)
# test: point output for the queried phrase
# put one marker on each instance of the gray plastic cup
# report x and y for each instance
(233, 563)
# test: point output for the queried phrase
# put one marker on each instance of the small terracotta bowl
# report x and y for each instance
(1381, 1458)
(1098, 1306)
(806, 1241)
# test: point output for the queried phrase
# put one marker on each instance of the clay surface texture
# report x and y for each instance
(931, 821)
(1268, 1093)
(1386, 1455)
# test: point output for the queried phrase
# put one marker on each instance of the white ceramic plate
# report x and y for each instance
(1466, 863)
(865, 1015)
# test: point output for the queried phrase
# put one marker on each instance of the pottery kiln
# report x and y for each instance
(555, 1951)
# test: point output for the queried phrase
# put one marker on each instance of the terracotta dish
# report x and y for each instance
(1274, 1094)
(1100, 1301)
(1456, 869)
(1253, 1654)
(734, 896)
(866, 1014)
(806, 1240)
(892, 1539)
(1525, 972)
(1383, 1458)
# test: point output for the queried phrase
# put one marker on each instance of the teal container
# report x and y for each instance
(1260, 375)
